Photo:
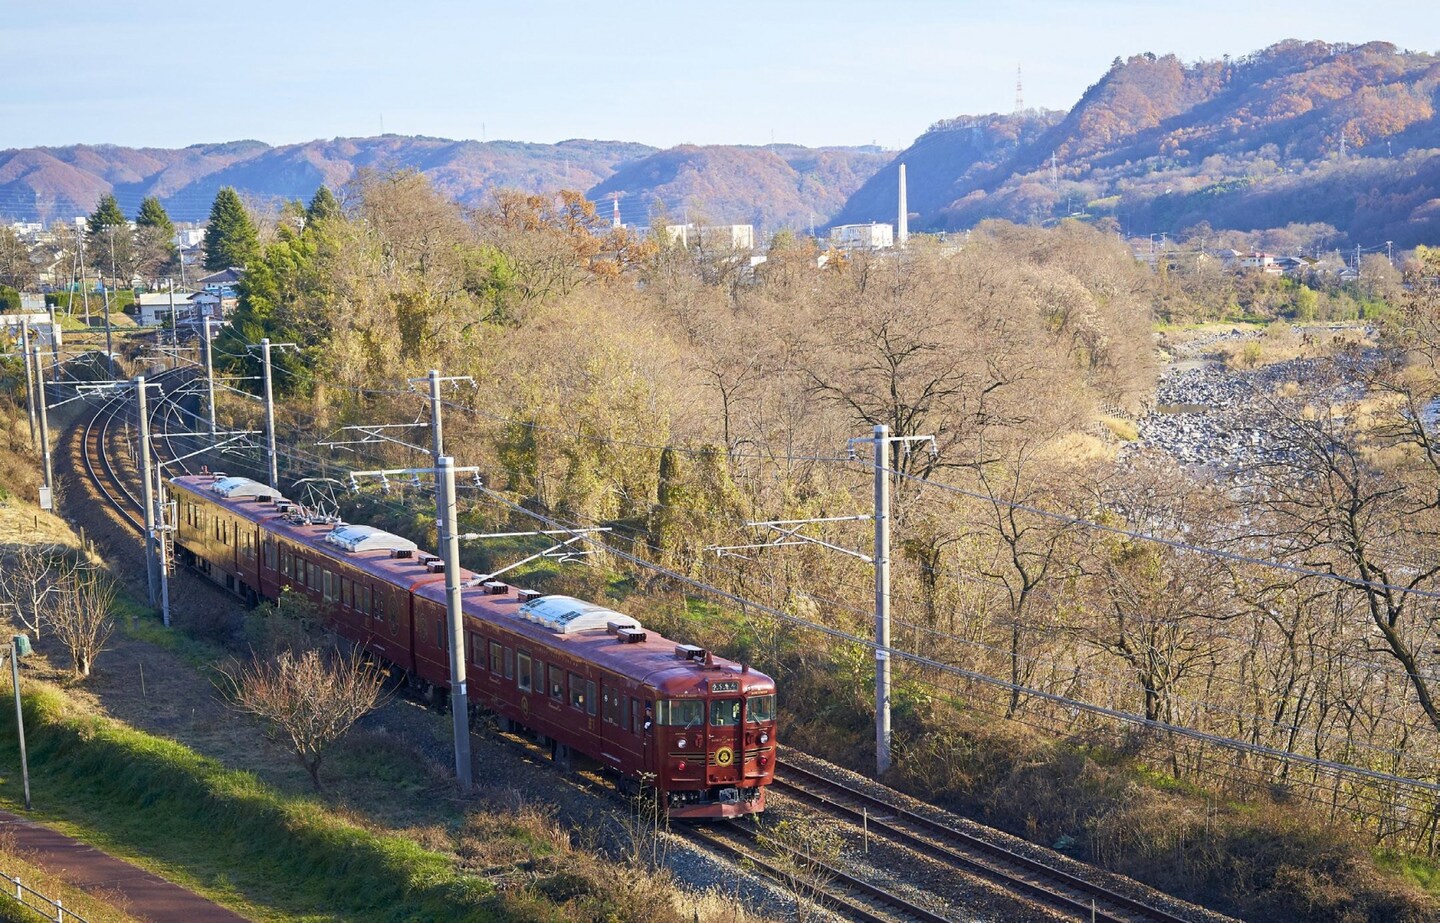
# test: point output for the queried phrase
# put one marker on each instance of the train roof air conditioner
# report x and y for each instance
(367, 538)
(567, 615)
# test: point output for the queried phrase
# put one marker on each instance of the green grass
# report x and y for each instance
(225, 832)
(1418, 870)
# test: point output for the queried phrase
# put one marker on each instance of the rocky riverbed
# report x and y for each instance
(1208, 415)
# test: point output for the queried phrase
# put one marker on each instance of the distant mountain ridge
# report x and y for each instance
(1341, 141)
(773, 186)
(1298, 133)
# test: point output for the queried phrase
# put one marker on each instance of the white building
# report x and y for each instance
(153, 308)
(870, 236)
(715, 237)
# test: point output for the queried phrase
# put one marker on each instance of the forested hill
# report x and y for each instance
(778, 185)
(771, 186)
(45, 183)
(1299, 133)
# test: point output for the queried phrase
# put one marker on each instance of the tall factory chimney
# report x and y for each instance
(902, 227)
(615, 221)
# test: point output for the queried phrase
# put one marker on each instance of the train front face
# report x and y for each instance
(715, 742)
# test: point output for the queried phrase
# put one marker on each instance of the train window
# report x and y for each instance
(590, 698)
(247, 546)
(760, 708)
(497, 657)
(284, 563)
(682, 712)
(347, 593)
(312, 576)
(362, 599)
(522, 679)
(577, 691)
(557, 683)
(724, 713)
(270, 553)
(327, 580)
(509, 664)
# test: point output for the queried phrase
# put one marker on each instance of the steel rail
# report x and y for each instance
(1038, 880)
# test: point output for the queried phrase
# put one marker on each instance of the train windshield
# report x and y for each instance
(725, 712)
(681, 712)
(760, 708)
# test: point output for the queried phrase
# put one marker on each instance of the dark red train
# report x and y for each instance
(589, 681)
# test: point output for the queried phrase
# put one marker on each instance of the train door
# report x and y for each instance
(724, 741)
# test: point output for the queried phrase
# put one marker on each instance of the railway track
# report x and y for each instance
(112, 476)
(1018, 873)
(830, 886)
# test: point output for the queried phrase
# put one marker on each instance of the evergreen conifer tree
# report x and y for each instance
(152, 215)
(110, 244)
(322, 205)
(155, 239)
(230, 237)
(106, 215)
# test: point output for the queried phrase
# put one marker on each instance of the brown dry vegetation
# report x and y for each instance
(675, 394)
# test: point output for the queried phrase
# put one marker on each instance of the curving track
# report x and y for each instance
(1016, 872)
(113, 473)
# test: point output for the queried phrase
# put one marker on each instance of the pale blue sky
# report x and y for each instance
(168, 74)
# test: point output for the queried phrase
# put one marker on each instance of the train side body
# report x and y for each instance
(700, 729)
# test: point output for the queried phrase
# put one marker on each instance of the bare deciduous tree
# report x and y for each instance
(31, 573)
(80, 616)
(311, 698)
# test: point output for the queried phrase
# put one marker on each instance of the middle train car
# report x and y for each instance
(589, 680)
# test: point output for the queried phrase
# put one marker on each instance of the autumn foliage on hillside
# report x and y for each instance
(1301, 132)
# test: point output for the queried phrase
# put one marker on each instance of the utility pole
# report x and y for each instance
(84, 292)
(270, 453)
(174, 338)
(274, 465)
(19, 713)
(446, 523)
(882, 440)
(148, 495)
(109, 347)
(209, 377)
(44, 432)
(882, 600)
(446, 520)
(30, 374)
(162, 550)
(450, 552)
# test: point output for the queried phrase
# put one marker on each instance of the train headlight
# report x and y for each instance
(682, 743)
(764, 738)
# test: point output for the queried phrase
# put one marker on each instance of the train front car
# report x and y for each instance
(712, 735)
